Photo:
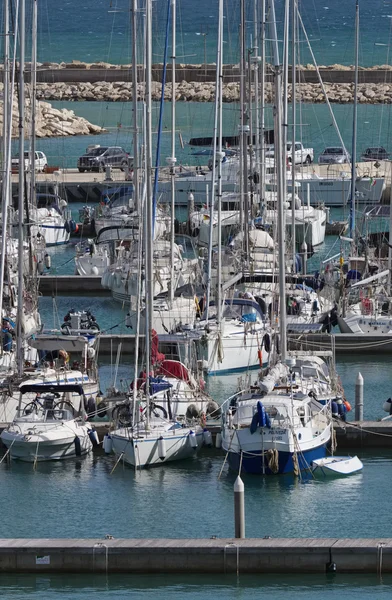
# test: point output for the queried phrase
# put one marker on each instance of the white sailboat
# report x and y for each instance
(277, 425)
(152, 439)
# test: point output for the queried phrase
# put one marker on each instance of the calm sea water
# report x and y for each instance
(100, 30)
(196, 588)
(196, 119)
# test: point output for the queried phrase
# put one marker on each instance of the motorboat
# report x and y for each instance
(47, 428)
(65, 359)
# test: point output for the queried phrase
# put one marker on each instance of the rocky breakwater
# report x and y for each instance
(51, 122)
(104, 91)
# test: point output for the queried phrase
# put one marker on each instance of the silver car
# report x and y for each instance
(334, 155)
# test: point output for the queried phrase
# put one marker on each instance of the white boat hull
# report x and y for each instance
(336, 191)
(55, 444)
(334, 466)
(144, 451)
(234, 352)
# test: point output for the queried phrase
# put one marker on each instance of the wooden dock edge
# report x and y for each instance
(220, 556)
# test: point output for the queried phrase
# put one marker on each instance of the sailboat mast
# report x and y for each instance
(262, 111)
(20, 311)
(219, 91)
(6, 149)
(134, 108)
(216, 162)
(354, 141)
(149, 299)
(279, 176)
(293, 117)
(172, 159)
(33, 99)
(244, 131)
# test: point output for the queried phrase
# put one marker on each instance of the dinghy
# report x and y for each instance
(335, 466)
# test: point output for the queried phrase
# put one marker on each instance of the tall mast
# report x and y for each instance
(149, 299)
(219, 90)
(216, 161)
(134, 105)
(293, 117)
(6, 148)
(279, 176)
(33, 99)
(244, 131)
(262, 111)
(20, 311)
(354, 142)
(172, 159)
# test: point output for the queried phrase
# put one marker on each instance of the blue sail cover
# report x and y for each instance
(157, 384)
(260, 418)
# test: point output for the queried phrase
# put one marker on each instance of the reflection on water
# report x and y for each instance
(228, 587)
(186, 499)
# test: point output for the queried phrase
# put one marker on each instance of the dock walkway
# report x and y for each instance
(215, 556)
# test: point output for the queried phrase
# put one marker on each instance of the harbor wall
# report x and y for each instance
(219, 556)
(106, 82)
(121, 91)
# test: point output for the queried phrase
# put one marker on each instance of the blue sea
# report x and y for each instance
(99, 30)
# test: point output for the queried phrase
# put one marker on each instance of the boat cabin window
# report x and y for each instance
(58, 414)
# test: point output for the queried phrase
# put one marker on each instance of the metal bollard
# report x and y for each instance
(108, 175)
(359, 398)
(239, 508)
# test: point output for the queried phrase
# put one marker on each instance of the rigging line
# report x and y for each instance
(347, 423)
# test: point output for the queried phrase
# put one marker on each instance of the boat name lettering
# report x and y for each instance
(277, 431)
(326, 183)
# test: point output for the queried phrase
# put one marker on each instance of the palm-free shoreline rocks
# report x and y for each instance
(50, 121)
(104, 91)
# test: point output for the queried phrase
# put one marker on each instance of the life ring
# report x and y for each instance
(347, 405)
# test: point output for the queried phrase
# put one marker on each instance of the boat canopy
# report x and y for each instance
(39, 388)
(113, 233)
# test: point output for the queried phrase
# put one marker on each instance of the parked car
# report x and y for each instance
(303, 156)
(376, 153)
(100, 157)
(334, 155)
(41, 161)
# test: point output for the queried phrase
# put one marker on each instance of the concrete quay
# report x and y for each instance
(79, 72)
(216, 556)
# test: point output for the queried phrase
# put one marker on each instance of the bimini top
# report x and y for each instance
(42, 388)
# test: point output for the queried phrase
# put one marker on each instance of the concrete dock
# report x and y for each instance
(89, 187)
(187, 556)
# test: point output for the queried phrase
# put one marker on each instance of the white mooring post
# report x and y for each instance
(239, 508)
(359, 398)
